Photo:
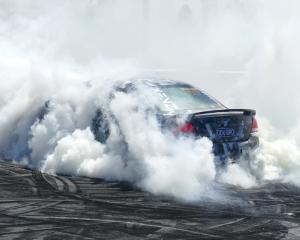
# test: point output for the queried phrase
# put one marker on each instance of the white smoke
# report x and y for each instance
(246, 53)
(155, 161)
(179, 167)
(236, 175)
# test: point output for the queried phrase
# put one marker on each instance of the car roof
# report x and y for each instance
(159, 82)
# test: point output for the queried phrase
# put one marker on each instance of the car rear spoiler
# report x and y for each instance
(220, 111)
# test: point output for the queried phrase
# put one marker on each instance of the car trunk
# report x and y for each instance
(221, 126)
(225, 128)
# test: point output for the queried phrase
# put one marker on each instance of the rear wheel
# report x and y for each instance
(100, 126)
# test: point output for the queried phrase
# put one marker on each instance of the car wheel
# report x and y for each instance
(100, 126)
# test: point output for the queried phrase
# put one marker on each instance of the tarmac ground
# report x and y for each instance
(39, 206)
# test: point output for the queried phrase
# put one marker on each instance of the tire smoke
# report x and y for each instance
(71, 53)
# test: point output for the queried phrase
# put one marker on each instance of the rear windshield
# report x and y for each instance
(185, 97)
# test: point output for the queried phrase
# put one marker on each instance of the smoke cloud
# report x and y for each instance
(71, 53)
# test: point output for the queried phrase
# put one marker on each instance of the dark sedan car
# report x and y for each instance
(232, 131)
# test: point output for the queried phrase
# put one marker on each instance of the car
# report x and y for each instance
(233, 132)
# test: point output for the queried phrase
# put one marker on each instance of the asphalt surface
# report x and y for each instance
(38, 206)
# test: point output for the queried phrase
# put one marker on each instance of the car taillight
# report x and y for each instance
(187, 128)
(254, 128)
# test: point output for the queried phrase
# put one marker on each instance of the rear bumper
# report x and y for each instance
(235, 150)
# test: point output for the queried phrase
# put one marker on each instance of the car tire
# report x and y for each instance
(100, 126)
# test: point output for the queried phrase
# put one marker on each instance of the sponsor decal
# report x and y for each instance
(169, 105)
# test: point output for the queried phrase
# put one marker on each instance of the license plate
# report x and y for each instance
(225, 132)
